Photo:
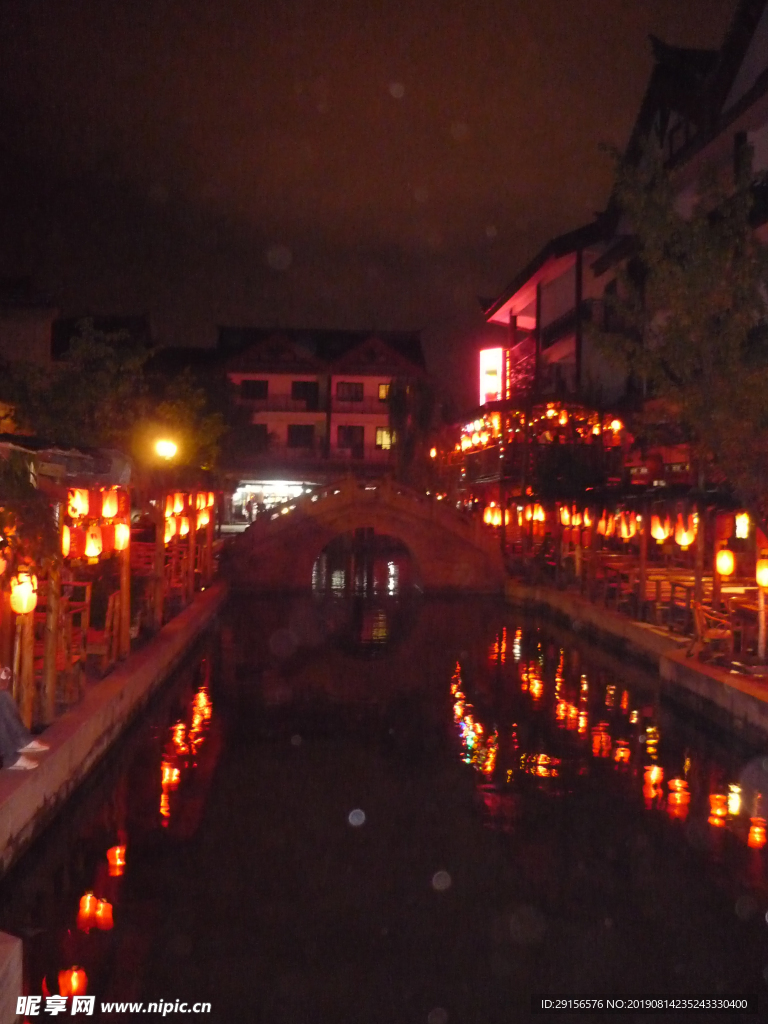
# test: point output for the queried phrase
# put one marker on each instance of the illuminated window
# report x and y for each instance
(349, 392)
(383, 392)
(383, 437)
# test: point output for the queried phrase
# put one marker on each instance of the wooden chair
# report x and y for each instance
(711, 630)
(103, 643)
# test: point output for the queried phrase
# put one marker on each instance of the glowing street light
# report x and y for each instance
(165, 449)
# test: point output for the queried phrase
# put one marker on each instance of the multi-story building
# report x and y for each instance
(315, 402)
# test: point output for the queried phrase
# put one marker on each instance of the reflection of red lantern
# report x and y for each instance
(116, 860)
(756, 838)
(103, 916)
(718, 806)
(73, 982)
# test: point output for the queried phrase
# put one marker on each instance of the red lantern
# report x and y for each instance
(116, 860)
(122, 536)
(103, 916)
(65, 541)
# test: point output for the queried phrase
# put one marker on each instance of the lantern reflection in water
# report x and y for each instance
(757, 837)
(601, 740)
(479, 750)
(103, 916)
(183, 740)
(116, 860)
(622, 753)
(86, 912)
(679, 798)
(718, 807)
(734, 799)
(73, 982)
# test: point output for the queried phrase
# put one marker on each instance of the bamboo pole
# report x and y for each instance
(124, 635)
(209, 546)
(645, 526)
(52, 641)
(27, 668)
(192, 513)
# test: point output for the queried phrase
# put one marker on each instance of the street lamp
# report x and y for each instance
(166, 448)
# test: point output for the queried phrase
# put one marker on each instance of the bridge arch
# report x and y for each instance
(450, 552)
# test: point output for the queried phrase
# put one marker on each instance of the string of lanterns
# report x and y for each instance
(178, 519)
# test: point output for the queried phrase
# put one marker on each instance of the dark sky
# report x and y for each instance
(351, 163)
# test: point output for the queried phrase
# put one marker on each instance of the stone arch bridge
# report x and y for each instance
(449, 551)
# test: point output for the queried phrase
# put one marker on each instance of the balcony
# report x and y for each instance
(282, 403)
(369, 405)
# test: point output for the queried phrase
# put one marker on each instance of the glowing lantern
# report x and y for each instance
(66, 539)
(78, 503)
(178, 503)
(170, 529)
(122, 536)
(587, 518)
(73, 982)
(742, 526)
(109, 505)
(183, 526)
(679, 799)
(538, 514)
(565, 515)
(756, 838)
(562, 419)
(103, 916)
(761, 572)
(725, 563)
(93, 542)
(201, 500)
(575, 518)
(628, 527)
(170, 776)
(23, 592)
(487, 516)
(660, 531)
(211, 499)
(616, 426)
(718, 807)
(685, 536)
(116, 860)
(169, 506)
(433, 453)
(204, 518)
(88, 904)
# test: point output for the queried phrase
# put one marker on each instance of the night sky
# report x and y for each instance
(304, 163)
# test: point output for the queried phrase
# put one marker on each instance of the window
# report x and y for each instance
(383, 437)
(301, 435)
(352, 438)
(254, 389)
(305, 391)
(383, 392)
(348, 392)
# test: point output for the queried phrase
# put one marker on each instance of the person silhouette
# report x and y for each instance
(16, 741)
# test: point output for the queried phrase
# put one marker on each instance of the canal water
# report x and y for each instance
(387, 809)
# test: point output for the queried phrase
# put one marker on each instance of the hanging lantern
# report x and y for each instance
(211, 499)
(562, 419)
(201, 501)
(122, 536)
(179, 501)
(756, 838)
(183, 526)
(73, 982)
(487, 516)
(103, 916)
(742, 526)
(660, 531)
(761, 572)
(203, 518)
(66, 540)
(565, 515)
(685, 536)
(109, 505)
(602, 524)
(725, 563)
(168, 506)
(93, 543)
(539, 516)
(23, 592)
(116, 860)
(575, 518)
(78, 504)
(170, 529)
(587, 518)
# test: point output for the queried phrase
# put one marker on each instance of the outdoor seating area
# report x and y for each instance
(702, 579)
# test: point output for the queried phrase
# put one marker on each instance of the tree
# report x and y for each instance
(411, 412)
(100, 395)
(691, 305)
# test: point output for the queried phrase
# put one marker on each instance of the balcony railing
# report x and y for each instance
(364, 405)
(282, 403)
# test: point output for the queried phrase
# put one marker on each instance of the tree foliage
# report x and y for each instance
(691, 305)
(411, 414)
(100, 396)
